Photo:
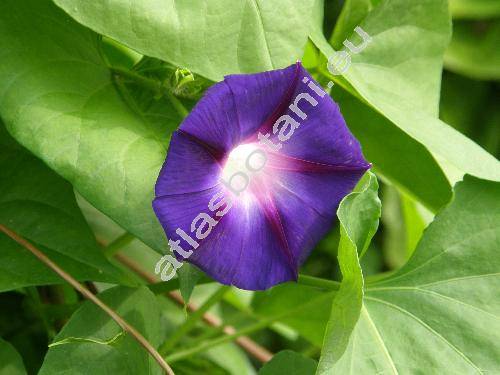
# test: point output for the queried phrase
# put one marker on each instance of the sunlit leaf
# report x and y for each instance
(213, 38)
(382, 141)
(66, 108)
(399, 72)
(358, 214)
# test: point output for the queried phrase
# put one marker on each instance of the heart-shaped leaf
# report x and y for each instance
(440, 312)
(39, 205)
(58, 98)
(213, 38)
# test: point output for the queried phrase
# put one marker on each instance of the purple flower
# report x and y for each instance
(254, 175)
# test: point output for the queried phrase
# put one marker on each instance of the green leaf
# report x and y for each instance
(440, 313)
(212, 38)
(404, 223)
(11, 362)
(393, 235)
(398, 74)
(59, 99)
(290, 363)
(382, 141)
(307, 309)
(477, 9)
(476, 114)
(473, 50)
(188, 278)
(40, 206)
(404, 58)
(94, 343)
(231, 358)
(464, 113)
(352, 14)
(379, 137)
(198, 365)
(358, 214)
(414, 223)
(117, 55)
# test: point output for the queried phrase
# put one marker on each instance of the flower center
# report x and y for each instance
(242, 163)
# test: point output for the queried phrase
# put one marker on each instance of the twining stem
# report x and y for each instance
(318, 282)
(179, 107)
(35, 296)
(193, 319)
(230, 333)
(154, 85)
(118, 244)
(87, 294)
(146, 82)
(218, 341)
(244, 331)
(247, 344)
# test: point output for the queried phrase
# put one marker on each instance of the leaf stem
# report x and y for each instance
(318, 282)
(118, 244)
(177, 104)
(156, 86)
(193, 319)
(87, 294)
(218, 341)
(148, 83)
(244, 331)
(247, 344)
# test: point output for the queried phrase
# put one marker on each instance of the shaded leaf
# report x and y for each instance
(188, 277)
(382, 140)
(474, 8)
(306, 309)
(11, 362)
(414, 223)
(232, 358)
(352, 14)
(96, 344)
(290, 363)
(473, 50)
(40, 206)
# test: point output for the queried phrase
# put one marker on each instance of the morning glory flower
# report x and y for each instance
(253, 177)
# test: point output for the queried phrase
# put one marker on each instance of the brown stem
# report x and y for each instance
(91, 286)
(246, 343)
(87, 294)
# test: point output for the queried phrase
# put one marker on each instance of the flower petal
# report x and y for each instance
(213, 121)
(261, 98)
(288, 207)
(189, 167)
(323, 136)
